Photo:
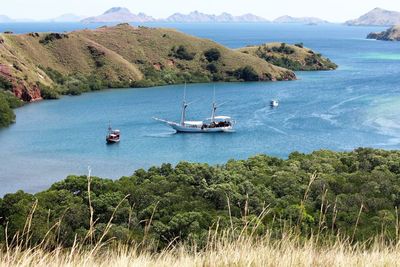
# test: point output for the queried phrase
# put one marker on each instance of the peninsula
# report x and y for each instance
(294, 57)
(392, 34)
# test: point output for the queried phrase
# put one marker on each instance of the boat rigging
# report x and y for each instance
(210, 125)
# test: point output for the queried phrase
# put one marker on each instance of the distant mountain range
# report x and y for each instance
(197, 16)
(377, 17)
(62, 18)
(302, 20)
(119, 14)
(67, 18)
(4, 19)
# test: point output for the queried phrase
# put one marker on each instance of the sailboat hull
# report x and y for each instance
(185, 129)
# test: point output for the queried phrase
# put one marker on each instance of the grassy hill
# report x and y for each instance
(47, 64)
(294, 57)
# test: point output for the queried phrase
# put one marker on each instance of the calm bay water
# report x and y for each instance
(356, 105)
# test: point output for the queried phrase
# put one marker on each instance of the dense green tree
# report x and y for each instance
(212, 54)
(325, 191)
(7, 115)
(247, 74)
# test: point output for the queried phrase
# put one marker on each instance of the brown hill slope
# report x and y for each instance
(40, 65)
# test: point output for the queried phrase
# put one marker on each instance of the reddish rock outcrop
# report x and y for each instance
(5, 71)
(25, 92)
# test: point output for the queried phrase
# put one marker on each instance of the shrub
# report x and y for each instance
(217, 77)
(247, 74)
(5, 83)
(56, 76)
(283, 48)
(48, 92)
(212, 54)
(212, 68)
(7, 115)
(97, 55)
(301, 45)
(182, 53)
(52, 37)
(283, 62)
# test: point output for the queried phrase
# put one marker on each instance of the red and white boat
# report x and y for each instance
(113, 136)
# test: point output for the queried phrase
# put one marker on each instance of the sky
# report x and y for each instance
(332, 10)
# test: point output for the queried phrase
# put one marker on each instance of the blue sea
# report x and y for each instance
(357, 105)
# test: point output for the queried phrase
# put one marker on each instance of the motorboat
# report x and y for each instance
(274, 103)
(113, 136)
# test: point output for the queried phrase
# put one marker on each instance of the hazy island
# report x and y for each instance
(300, 20)
(392, 34)
(376, 17)
(39, 66)
(121, 14)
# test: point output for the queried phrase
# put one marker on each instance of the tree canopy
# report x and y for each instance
(355, 194)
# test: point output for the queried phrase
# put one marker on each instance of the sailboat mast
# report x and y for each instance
(184, 106)
(214, 108)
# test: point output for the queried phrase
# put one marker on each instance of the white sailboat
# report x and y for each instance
(213, 124)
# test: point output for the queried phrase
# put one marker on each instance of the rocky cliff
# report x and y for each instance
(392, 34)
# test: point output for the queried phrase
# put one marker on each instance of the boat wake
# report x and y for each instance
(161, 135)
(334, 107)
(385, 120)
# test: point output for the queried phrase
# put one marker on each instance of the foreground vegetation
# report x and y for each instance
(354, 195)
(289, 250)
(322, 209)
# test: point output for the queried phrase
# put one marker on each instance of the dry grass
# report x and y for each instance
(244, 251)
(232, 247)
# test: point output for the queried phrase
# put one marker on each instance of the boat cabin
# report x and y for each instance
(218, 122)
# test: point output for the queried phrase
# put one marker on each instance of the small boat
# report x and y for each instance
(213, 124)
(113, 136)
(274, 103)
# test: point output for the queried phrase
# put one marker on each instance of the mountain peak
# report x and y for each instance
(301, 20)
(119, 15)
(117, 9)
(197, 16)
(377, 17)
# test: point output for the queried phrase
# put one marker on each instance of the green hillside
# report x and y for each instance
(294, 57)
